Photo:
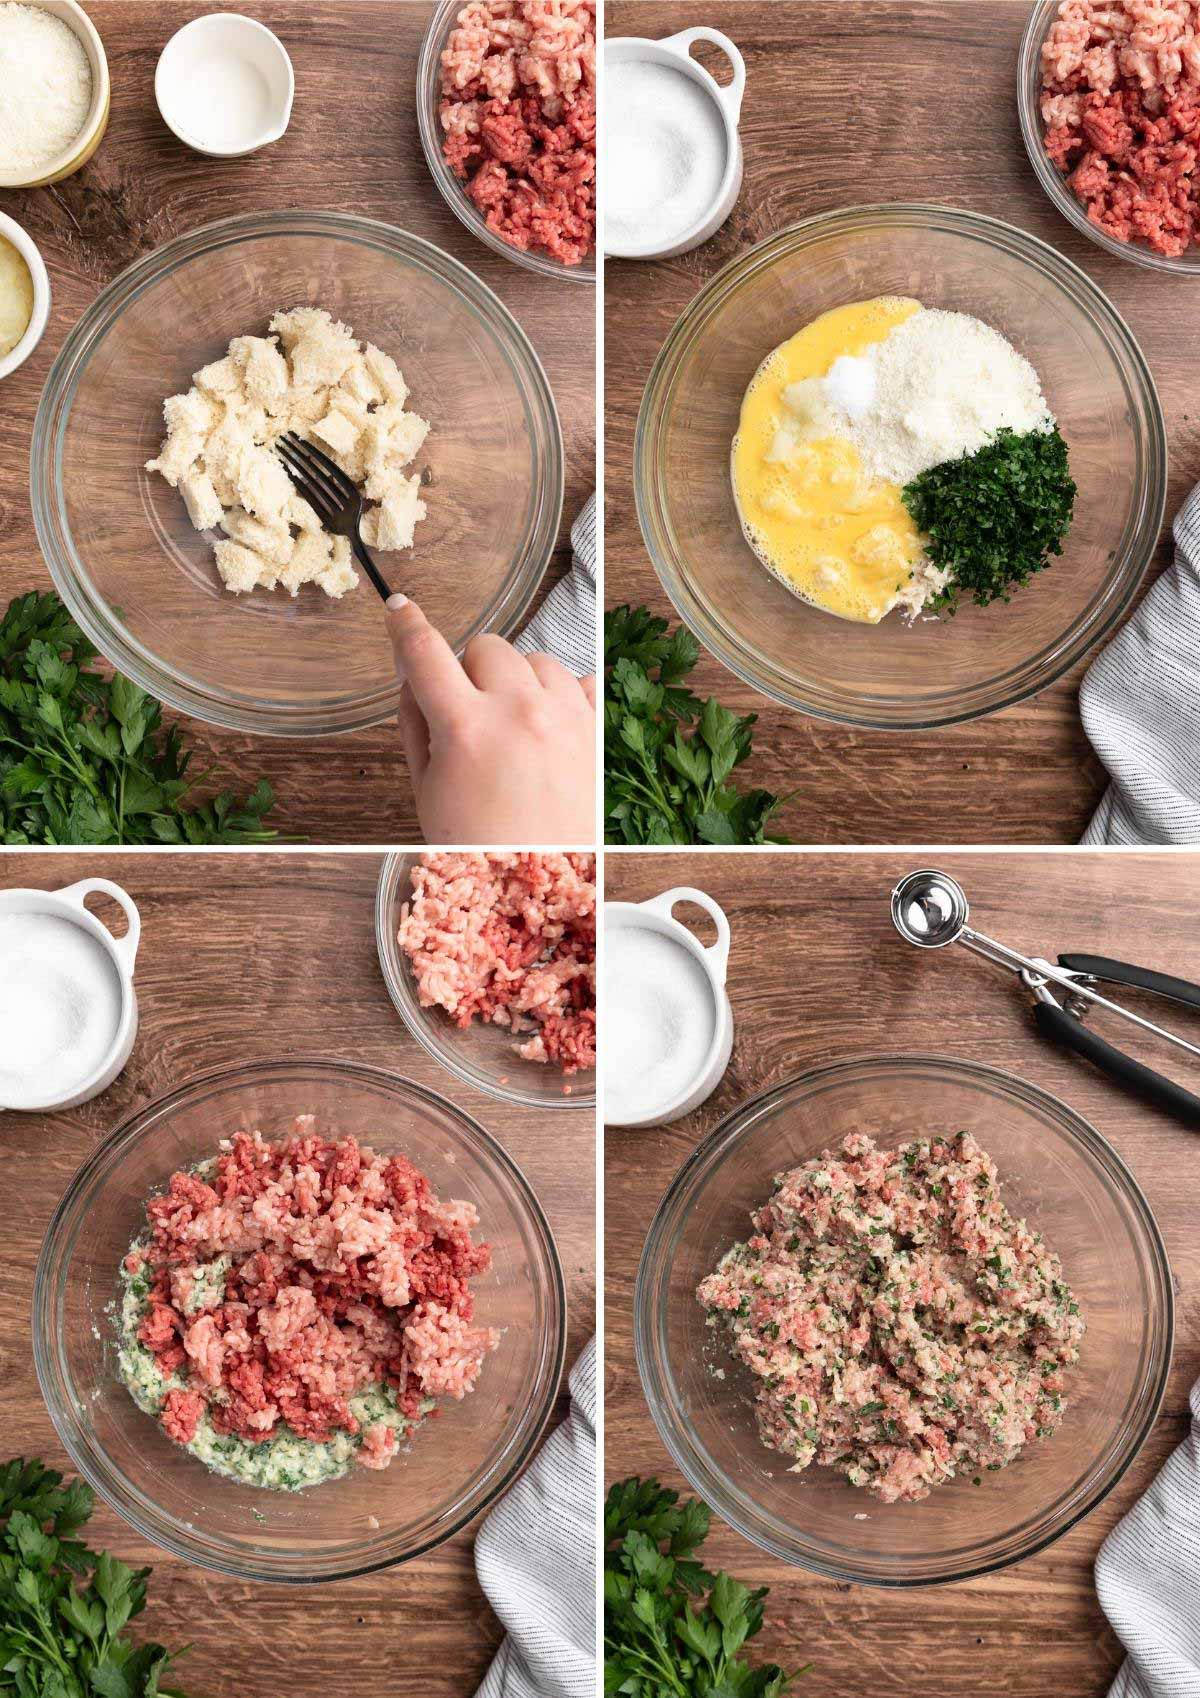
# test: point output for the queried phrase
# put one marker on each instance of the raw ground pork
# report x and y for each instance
(511, 939)
(903, 1325)
(519, 111)
(345, 1270)
(1121, 106)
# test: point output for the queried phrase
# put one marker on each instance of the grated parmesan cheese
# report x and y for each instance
(45, 88)
(945, 383)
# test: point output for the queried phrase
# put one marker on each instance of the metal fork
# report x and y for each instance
(332, 497)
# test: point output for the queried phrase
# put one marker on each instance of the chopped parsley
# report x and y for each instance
(992, 519)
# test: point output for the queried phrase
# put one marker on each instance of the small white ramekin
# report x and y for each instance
(657, 915)
(230, 34)
(27, 248)
(675, 51)
(68, 905)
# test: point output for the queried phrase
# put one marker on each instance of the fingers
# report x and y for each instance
(550, 673)
(492, 664)
(414, 736)
(426, 663)
(559, 680)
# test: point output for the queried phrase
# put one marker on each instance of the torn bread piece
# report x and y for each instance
(308, 375)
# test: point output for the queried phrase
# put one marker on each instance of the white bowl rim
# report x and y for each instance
(29, 251)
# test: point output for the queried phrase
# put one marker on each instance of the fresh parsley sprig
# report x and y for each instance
(64, 1607)
(672, 1629)
(84, 758)
(668, 756)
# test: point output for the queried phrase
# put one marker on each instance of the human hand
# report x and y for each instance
(502, 747)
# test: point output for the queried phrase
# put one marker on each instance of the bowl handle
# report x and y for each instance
(730, 97)
(670, 899)
(127, 946)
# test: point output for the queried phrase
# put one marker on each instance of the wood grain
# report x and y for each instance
(816, 972)
(251, 957)
(881, 101)
(353, 146)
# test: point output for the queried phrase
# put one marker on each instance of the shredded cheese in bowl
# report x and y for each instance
(45, 88)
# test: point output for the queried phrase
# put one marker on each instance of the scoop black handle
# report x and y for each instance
(1143, 978)
(1055, 1023)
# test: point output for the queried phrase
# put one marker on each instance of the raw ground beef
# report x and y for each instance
(519, 111)
(1121, 106)
(510, 939)
(345, 1270)
(903, 1326)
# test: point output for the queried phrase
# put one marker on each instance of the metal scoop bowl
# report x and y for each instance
(930, 910)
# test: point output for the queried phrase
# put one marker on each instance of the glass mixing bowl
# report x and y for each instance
(458, 1463)
(142, 582)
(1029, 84)
(1058, 1173)
(936, 672)
(479, 1055)
(429, 70)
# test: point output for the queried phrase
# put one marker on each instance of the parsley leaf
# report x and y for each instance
(84, 758)
(993, 518)
(64, 1607)
(672, 1629)
(668, 756)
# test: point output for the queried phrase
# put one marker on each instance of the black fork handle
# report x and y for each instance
(1055, 1023)
(1143, 978)
(363, 555)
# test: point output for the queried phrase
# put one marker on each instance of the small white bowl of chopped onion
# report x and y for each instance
(24, 295)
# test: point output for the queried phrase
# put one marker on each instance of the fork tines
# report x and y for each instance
(320, 481)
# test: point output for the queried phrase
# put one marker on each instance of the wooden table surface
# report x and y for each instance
(816, 972)
(353, 146)
(252, 957)
(877, 101)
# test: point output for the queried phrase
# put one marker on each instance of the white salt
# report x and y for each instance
(60, 1008)
(850, 385)
(660, 1021)
(45, 88)
(664, 154)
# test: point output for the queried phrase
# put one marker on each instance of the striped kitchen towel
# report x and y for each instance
(1148, 1580)
(565, 624)
(1140, 704)
(536, 1560)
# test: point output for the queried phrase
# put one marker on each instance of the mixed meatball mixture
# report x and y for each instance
(903, 1326)
(298, 1306)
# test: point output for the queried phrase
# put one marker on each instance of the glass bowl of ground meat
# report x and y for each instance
(490, 960)
(1109, 102)
(506, 103)
(263, 1258)
(895, 1327)
(895, 672)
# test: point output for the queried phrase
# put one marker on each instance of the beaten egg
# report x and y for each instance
(842, 542)
(16, 297)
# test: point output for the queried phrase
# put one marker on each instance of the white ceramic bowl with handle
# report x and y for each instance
(674, 51)
(69, 904)
(658, 915)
